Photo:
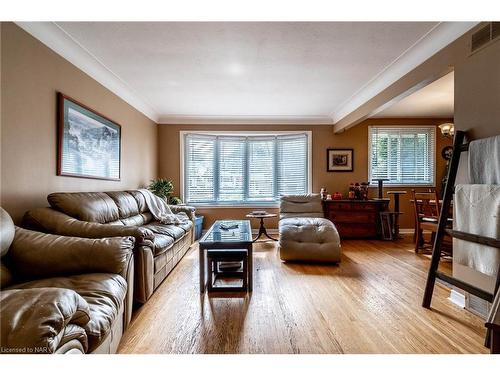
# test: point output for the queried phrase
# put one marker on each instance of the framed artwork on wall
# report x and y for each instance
(89, 144)
(339, 160)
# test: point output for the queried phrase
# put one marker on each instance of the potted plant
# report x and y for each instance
(163, 188)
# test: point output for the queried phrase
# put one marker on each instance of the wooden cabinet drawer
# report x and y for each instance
(356, 231)
(353, 217)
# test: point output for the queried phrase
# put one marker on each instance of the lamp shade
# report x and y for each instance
(447, 129)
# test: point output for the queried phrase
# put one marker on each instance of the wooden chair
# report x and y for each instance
(427, 208)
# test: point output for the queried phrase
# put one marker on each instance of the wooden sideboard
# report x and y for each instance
(356, 218)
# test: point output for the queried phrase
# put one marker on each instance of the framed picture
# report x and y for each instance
(89, 144)
(339, 160)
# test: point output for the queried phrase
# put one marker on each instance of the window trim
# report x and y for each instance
(182, 137)
(386, 183)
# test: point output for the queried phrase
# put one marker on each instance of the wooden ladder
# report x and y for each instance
(458, 147)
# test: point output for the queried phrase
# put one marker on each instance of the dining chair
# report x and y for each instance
(427, 208)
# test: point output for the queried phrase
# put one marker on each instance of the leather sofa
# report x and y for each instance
(304, 234)
(62, 294)
(158, 247)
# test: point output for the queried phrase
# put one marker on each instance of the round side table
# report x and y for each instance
(262, 228)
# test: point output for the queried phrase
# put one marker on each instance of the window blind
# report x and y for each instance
(292, 164)
(200, 171)
(404, 155)
(246, 169)
(261, 181)
(231, 161)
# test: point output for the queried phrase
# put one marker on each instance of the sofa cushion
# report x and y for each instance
(104, 293)
(134, 221)
(174, 231)
(127, 205)
(187, 225)
(307, 205)
(93, 207)
(162, 242)
(139, 198)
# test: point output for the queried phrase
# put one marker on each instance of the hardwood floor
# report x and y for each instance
(371, 303)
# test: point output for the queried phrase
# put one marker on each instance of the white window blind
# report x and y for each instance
(246, 169)
(231, 163)
(404, 155)
(292, 165)
(261, 171)
(200, 157)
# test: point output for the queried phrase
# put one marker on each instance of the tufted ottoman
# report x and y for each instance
(304, 234)
(309, 239)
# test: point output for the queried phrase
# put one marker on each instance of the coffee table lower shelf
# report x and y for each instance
(225, 241)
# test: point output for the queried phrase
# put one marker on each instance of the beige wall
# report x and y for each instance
(322, 138)
(477, 110)
(477, 93)
(31, 75)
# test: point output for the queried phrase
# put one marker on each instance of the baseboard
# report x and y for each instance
(406, 230)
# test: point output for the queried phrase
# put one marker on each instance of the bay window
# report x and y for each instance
(244, 169)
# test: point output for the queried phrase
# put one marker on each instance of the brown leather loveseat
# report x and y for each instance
(62, 294)
(159, 247)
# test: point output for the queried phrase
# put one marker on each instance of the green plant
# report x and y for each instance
(175, 200)
(163, 188)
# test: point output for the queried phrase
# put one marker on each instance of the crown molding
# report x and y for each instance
(436, 39)
(245, 120)
(54, 37)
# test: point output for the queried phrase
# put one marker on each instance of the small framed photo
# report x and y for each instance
(340, 160)
(89, 144)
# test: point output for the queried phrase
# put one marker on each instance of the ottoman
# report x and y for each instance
(309, 239)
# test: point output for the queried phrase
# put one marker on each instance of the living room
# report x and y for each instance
(250, 187)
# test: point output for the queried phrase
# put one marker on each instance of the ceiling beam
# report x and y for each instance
(428, 60)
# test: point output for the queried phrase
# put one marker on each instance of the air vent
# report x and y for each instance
(477, 305)
(485, 35)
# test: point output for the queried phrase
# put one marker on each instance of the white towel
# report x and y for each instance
(477, 211)
(160, 209)
(484, 161)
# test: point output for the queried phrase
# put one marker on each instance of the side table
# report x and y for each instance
(262, 228)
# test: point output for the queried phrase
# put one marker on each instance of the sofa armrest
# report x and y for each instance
(188, 210)
(35, 320)
(35, 254)
(52, 221)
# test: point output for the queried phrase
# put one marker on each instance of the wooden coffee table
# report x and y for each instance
(262, 228)
(217, 238)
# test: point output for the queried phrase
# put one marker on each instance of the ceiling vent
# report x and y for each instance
(485, 35)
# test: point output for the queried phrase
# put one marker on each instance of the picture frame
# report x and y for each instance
(340, 160)
(88, 143)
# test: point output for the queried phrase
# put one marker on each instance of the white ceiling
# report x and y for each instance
(251, 72)
(433, 100)
(246, 69)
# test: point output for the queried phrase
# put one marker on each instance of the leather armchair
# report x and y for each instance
(63, 294)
